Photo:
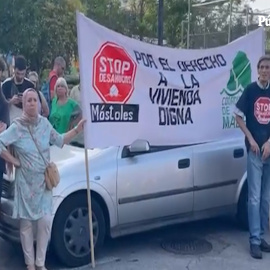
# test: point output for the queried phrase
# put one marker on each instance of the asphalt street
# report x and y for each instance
(227, 249)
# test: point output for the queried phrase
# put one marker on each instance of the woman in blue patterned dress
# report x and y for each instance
(32, 201)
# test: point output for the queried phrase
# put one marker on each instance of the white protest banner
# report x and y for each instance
(134, 90)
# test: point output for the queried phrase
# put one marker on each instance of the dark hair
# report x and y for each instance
(263, 58)
(20, 62)
(2, 64)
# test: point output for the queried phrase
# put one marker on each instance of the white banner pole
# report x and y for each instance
(79, 35)
(89, 210)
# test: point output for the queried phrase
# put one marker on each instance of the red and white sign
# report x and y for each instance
(262, 110)
(113, 73)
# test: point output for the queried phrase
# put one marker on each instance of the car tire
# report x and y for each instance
(70, 232)
(242, 212)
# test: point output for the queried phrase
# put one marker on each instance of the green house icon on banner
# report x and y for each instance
(240, 75)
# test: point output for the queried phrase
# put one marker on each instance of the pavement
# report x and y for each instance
(145, 251)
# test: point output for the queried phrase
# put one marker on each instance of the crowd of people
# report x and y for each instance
(62, 111)
(29, 124)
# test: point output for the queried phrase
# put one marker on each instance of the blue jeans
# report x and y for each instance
(258, 176)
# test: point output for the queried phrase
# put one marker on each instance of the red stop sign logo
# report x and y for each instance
(262, 110)
(113, 73)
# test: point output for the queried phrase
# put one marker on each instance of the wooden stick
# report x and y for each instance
(89, 209)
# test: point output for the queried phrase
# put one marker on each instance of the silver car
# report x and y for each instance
(136, 188)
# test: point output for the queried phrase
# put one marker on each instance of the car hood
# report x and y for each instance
(70, 155)
(70, 161)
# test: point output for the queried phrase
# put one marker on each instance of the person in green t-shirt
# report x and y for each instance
(65, 112)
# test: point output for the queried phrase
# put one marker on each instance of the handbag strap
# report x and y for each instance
(37, 146)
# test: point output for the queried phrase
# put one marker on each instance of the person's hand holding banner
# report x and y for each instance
(80, 126)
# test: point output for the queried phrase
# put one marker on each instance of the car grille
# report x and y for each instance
(7, 189)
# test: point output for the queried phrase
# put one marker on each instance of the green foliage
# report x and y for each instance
(40, 29)
(43, 29)
(106, 12)
(175, 12)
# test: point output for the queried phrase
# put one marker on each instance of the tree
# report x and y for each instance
(106, 12)
(43, 29)
(40, 30)
(144, 22)
(175, 13)
(210, 24)
(213, 21)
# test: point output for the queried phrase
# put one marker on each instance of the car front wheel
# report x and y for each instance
(70, 233)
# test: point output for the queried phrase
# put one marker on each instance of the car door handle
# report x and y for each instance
(183, 163)
(237, 153)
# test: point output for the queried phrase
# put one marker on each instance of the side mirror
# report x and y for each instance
(139, 146)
